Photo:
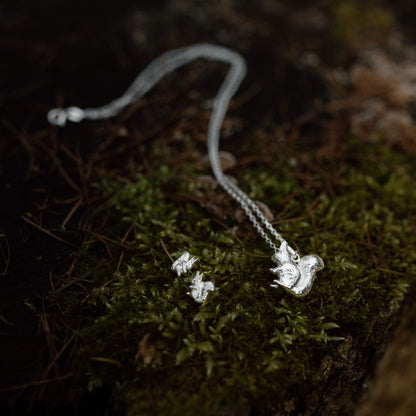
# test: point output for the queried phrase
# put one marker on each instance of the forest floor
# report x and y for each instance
(325, 118)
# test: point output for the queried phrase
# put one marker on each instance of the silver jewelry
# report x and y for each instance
(295, 273)
(184, 263)
(199, 289)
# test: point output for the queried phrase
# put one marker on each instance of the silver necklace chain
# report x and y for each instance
(295, 273)
(150, 76)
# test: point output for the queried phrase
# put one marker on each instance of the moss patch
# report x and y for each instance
(249, 344)
(353, 20)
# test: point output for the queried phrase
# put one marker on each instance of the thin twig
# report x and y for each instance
(47, 232)
(3, 319)
(119, 264)
(64, 347)
(123, 240)
(50, 339)
(106, 360)
(166, 250)
(71, 213)
(6, 255)
(36, 383)
(80, 278)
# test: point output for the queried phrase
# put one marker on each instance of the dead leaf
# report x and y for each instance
(227, 160)
(150, 350)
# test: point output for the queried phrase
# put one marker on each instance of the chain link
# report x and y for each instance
(150, 76)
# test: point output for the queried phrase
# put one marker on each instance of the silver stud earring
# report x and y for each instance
(199, 289)
(184, 263)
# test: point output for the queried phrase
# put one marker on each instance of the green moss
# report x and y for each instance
(248, 343)
(353, 20)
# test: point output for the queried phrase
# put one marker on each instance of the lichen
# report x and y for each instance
(248, 344)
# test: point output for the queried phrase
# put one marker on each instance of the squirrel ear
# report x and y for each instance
(283, 254)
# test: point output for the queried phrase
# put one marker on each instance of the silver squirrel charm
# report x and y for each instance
(199, 289)
(296, 274)
(184, 263)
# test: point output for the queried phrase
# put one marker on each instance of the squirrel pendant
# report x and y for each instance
(296, 274)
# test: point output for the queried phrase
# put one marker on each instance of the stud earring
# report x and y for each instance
(199, 289)
(184, 263)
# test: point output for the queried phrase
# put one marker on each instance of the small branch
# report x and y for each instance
(166, 250)
(71, 213)
(36, 383)
(47, 232)
(106, 360)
